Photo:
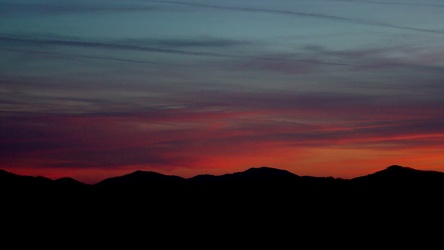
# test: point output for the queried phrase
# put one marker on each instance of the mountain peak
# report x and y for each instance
(140, 177)
(264, 170)
(261, 173)
(398, 168)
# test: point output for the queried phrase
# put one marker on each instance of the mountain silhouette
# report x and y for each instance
(394, 177)
(259, 199)
(253, 184)
(397, 174)
(139, 178)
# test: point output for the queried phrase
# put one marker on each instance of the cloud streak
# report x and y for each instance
(165, 139)
(157, 46)
(305, 15)
(185, 47)
(72, 8)
(422, 4)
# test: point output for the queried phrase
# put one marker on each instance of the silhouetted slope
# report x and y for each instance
(405, 175)
(256, 199)
(11, 179)
(264, 176)
(260, 174)
(251, 174)
(69, 187)
(254, 185)
(140, 187)
(261, 201)
(251, 185)
(139, 179)
(401, 181)
(398, 193)
(36, 183)
(264, 185)
(68, 181)
(12, 185)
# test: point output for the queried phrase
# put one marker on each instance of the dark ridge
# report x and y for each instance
(260, 173)
(69, 182)
(131, 187)
(71, 187)
(393, 171)
(402, 185)
(393, 174)
(396, 174)
(203, 178)
(30, 184)
(247, 177)
(251, 173)
(263, 199)
(139, 178)
(253, 186)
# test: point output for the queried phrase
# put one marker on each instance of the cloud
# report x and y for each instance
(157, 45)
(77, 7)
(188, 137)
(204, 42)
(68, 55)
(205, 129)
(258, 57)
(201, 46)
(168, 46)
(305, 15)
(422, 4)
(315, 59)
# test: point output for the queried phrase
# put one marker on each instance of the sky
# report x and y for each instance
(92, 89)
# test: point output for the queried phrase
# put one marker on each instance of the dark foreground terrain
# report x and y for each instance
(256, 200)
(255, 188)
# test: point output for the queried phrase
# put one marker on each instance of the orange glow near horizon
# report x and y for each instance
(186, 143)
(336, 162)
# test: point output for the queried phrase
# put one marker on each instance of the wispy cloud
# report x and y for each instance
(72, 7)
(200, 46)
(169, 46)
(70, 55)
(422, 4)
(305, 15)
(170, 139)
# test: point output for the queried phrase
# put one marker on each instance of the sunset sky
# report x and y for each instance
(92, 89)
